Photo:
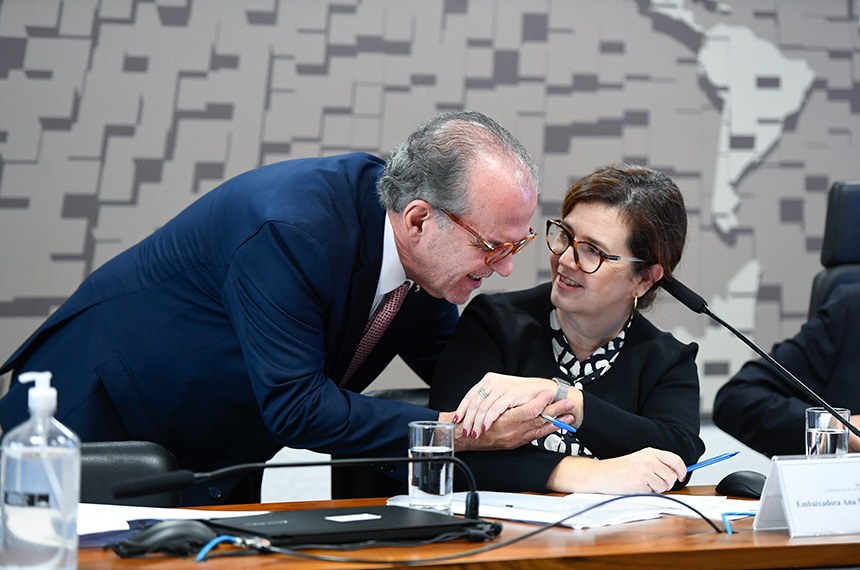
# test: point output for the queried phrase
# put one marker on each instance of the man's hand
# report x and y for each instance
(496, 393)
(515, 427)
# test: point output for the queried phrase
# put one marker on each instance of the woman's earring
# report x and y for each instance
(635, 301)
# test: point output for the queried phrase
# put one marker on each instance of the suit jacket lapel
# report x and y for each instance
(362, 288)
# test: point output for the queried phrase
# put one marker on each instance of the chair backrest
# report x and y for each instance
(105, 463)
(840, 250)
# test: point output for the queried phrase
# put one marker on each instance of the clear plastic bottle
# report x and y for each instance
(40, 479)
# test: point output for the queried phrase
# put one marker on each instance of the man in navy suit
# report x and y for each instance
(227, 333)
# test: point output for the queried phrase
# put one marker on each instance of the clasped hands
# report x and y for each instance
(503, 412)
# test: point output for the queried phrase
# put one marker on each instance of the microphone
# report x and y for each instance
(697, 304)
(184, 478)
(684, 294)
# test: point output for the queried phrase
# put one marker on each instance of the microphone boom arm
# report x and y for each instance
(791, 378)
(697, 304)
(183, 478)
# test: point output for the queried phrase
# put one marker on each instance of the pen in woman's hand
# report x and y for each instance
(558, 423)
(711, 461)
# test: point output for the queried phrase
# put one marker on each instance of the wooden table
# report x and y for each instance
(667, 542)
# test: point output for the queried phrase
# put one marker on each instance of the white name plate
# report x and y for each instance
(811, 497)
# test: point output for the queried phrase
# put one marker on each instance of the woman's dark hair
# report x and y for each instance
(651, 206)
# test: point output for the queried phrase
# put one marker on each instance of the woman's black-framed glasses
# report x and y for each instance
(495, 251)
(588, 256)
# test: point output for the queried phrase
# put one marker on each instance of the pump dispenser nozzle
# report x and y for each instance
(41, 398)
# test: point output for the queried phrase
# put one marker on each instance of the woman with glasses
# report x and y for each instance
(634, 388)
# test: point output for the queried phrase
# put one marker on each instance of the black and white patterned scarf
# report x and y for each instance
(579, 374)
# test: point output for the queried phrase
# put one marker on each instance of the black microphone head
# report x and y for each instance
(172, 481)
(684, 294)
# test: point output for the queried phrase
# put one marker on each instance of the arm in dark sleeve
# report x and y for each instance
(760, 408)
(666, 413)
(277, 293)
(521, 470)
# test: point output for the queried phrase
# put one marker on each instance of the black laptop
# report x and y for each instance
(354, 524)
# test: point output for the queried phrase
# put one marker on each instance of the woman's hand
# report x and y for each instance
(495, 393)
(516, 427)
(648, 470)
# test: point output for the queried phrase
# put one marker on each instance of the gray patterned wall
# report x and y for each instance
(115, 114)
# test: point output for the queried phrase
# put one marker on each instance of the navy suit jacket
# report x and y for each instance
(224, 334)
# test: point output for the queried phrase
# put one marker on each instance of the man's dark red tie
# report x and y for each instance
(377, 324)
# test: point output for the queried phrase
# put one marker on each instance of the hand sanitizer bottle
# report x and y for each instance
(40, 479)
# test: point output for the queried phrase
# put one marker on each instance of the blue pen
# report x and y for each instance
(558, 423)
(711, 461)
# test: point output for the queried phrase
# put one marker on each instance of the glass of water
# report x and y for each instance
(825, 435)
(431, 482)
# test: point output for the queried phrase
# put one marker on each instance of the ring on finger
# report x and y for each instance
(483, 392)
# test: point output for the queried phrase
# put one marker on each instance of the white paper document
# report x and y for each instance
(544, 509)
(99, 525)
(547, 509)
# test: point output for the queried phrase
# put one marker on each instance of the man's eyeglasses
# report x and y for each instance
(495, 251)
(588, 256)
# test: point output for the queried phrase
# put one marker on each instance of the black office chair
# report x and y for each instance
(840, 250)
(364, 481)
(105, 463)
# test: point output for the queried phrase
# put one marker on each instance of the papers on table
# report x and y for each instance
(546, 509)
(102, 524)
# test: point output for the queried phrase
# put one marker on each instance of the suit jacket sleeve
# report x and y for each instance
(649, 398)
(764, 411)
(279, 310)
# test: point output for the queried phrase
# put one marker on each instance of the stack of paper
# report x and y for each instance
(546, 509)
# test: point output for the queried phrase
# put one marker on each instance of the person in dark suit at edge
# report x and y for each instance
(762, 410)
(230, 332)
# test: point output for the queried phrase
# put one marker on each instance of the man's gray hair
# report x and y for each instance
(433, 162)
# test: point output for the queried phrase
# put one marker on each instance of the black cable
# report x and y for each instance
(471, 495)
(184, 478)
(371, 543)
